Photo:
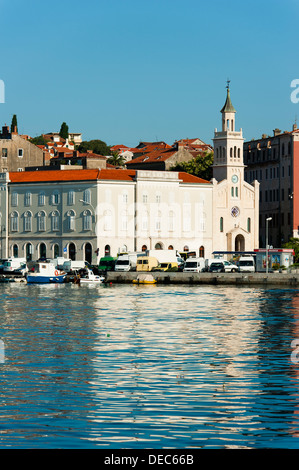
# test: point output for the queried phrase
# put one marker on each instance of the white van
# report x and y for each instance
(196, 265)
(15, 264)
(126, 262)
(246, 264)
(70, 265)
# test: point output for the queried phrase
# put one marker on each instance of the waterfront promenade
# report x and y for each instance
(274, 278)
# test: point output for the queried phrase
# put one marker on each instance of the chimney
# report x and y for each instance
(295, 126)
(276, 132)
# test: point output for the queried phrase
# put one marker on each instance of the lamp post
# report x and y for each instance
(267, 246)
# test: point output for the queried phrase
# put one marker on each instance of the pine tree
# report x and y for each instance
(14, 124)
(64, 131)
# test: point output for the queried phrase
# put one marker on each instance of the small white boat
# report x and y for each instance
(45, 273)
(90, 277)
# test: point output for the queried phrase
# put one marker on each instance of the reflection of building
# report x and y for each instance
(47, 213)
(235, 202)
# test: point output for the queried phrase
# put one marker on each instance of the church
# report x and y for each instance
(235, 202)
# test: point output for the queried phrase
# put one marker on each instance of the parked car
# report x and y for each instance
(166, 267)
(217, 267)
(181, 264)
(230, 267)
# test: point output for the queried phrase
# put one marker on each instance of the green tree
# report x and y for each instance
(97, 146)
(116, 159)
(38, 140)
(200, 166)
(64, 131)
(14, 123)
(294, 244)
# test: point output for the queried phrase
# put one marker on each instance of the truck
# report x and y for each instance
(75, 265)
(194, 265)
(107, 263)
(163, 256)
(126, 262)
(146, 263)
(15, 265)
(246, 264)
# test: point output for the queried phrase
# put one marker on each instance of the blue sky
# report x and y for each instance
(125, 70)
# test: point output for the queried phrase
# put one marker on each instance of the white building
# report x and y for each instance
(85, 214)
(235, 202)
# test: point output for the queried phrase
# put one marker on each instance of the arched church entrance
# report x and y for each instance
(239, 243)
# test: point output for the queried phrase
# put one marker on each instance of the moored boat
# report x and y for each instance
(45, 273)
(144, 279)
(90, 277)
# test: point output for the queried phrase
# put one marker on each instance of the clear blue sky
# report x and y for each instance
(129, 70)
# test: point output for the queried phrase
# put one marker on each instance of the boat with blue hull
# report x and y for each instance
(45, 273)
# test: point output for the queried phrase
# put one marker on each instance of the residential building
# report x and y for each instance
(272, 160)
(235, 201)
(17, 153)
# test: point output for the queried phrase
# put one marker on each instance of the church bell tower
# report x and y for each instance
(228, 146)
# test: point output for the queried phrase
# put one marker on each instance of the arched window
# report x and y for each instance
(221, 224)
(88, 252)
(170, 247)
(107, 250)
(42, 251)
(55, 250)
(144, 248)
(29, 251)
(232, 191)
(239, 153)
(55, 221)
(202, 252)
(71, 220)
(41, 221)
(87, 220)
(15, 251)
(14, 221)
(231, 152)
(232, 125)
(236, 191)
(158, 246)
(72, 251)
(28, 221)
(249, 225)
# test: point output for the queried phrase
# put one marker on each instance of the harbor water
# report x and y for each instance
(149, 366)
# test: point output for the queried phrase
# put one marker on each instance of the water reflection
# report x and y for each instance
(148, 366)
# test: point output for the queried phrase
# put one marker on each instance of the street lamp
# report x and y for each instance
(267, 247)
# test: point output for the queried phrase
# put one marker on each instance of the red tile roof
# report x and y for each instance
(48, 176)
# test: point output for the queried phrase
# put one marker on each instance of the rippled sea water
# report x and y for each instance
(130, 366)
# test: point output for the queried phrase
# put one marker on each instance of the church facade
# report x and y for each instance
(235, 202)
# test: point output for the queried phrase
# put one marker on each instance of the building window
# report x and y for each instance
(202, 252)
(14, 199)
(107, 220)
(41, 217)
(28, 221)
(71, 197)
(87, 221)
(15, 251)
(221, 224)
(171, 221)
(87, 196)
(41, 198)
(232, 191)
(20, 152)
(14, 222)
(28, 199)
(55, 197)
(4, 153)
(71, 220)
(249, 225)
(55, 221)
(124, 221)
(158, 198)
(144, 221)
(144, 198)
(125, 198)
(158, 221)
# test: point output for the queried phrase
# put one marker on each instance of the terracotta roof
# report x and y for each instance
(40, 176)
(158, 154)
